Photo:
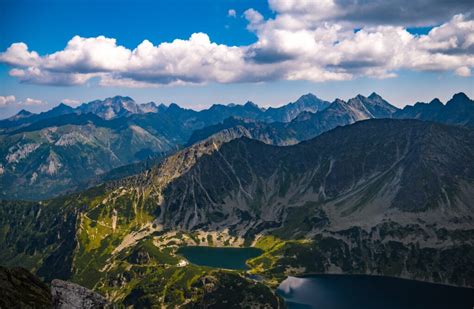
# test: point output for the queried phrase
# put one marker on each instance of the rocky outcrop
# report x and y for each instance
(21, 289)
(67, 295)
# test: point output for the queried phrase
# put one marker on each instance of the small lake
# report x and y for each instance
(371, 292)
(229, 258)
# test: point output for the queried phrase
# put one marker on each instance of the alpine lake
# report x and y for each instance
(340, 291)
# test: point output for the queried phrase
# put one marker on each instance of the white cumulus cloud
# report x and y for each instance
(305, 40)
(70, 102)
(7, 100)
(30, 101)
(11, 100)
(463, 71)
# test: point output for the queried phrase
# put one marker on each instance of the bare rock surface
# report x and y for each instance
(70, 295)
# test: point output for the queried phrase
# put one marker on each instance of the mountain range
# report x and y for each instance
(380, 196)
(458, 111)
(122, 106)
(67, 149)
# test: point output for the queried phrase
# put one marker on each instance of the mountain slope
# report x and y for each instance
(275, 133)
(423, 164)
(347, 201)
(40, 160)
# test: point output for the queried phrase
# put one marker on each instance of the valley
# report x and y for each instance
(345, 202)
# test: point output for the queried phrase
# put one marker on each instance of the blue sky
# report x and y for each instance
(47, 26)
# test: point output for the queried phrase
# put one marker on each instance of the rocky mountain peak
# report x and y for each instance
(120, 99)
(149, 107)
(311, 102)
(460, 99)
(61, 105)
(22, 114)
(436, 102)
(358, 101)
(339, 102)
(377, 106)
(174, 107)
(461, 96)
(62, 109)
(111, 107)
(307, 97)
(374, 96)
(250, 104)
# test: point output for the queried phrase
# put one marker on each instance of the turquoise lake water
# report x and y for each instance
(229, 258)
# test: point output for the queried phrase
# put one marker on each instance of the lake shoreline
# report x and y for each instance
(308, 275)
(367, 291)
(312, 275)
(229, 258)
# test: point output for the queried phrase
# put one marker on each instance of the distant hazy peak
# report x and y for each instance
(461, 96)
(24, 112)
(435, 102)
(20, 115)
(309, 95)
(375, 95)
(62, 107)
(174, 106)
(460, 99)
(339, 102)
(120, 98)
(252, 105)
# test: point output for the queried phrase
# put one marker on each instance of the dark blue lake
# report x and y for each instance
(229, 258)
(371, 292)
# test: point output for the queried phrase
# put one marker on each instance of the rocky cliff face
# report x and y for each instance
(69, 295)
(349, 170)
